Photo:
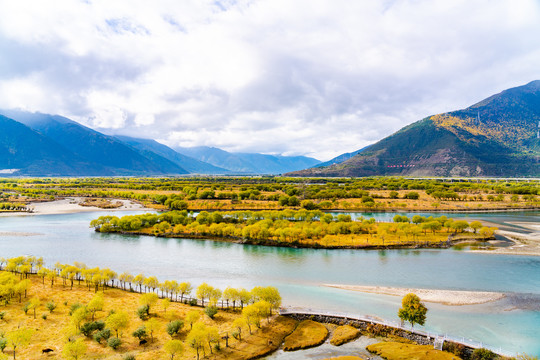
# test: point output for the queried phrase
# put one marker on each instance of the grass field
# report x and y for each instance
(402, 351)
(307, 334)
(53, 331)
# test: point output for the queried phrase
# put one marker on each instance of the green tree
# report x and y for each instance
(96, 304)
(192, 317)
(152, 326)
(173, 348)
(148, 300)
(117, 322)
(412, 310)
(74, 350)
(34, 304)
(184, 289)
(197, 338)
(475, 225)
(19, 338)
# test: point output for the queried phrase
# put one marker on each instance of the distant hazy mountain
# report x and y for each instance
(194, 166)
(495, 137)
(249, 163)
(83, 151)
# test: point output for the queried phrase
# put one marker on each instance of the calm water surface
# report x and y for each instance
(512, 323)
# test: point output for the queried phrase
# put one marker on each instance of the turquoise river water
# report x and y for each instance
(512, 324)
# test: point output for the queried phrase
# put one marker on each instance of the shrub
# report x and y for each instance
(25, 308)
(88, 328)
(483, 354)
(44, 316)
(114, 343)
(50, 306)
(104, 334)
(3, 344)
(192, 302)
(174, 327)
(412, 195)
(454, 348)
(2, 315)
(377, 330)
(74, 307)
(211, 311)
(140, 333)
(142, 312)
(100, 325)
(129, 357)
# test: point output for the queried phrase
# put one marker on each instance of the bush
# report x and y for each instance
(3, 344)
(142, 312)
(25, 308)
(50, 306)
(104, 334)
(88, 328)
(100, 325)
(129, 357)
(44, 316)
(483, 354)
(412, 195)
(174, 327)
(74, 307)
(140, 333)
(192, 302)
(114, 343)
(454, 348)
(211, 311)
(2, 315)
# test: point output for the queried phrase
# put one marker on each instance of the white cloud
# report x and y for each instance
(315, 77)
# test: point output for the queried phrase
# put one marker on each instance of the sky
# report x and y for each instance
(293, 77)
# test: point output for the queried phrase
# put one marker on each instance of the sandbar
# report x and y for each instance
(71, 205)
(446, 297)
(18, 233)
(524, 243)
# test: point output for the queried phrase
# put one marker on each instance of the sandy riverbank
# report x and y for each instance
(524, 243)
(446, 297)
(71, 205)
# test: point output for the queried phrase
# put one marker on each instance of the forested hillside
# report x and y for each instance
(495, 137)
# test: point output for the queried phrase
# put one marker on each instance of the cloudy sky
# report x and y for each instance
(298, 77)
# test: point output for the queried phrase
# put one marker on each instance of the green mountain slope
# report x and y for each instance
(495, 137)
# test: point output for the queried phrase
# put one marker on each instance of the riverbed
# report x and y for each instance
(511, 323)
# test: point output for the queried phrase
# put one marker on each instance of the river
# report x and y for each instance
(512, 323)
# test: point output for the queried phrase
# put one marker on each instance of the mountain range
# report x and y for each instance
(36, 144)
(248, 162)
(498, 136)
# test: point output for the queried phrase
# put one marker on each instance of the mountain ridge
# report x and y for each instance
(494, 137)
(248, 163)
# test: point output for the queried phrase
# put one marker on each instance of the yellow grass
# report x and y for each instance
(51, 333)
(401, 351)
(344, 334)
(307, 334)
(261, 343)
